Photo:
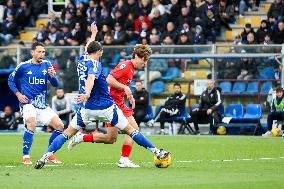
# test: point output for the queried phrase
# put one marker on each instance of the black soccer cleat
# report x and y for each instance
(39, 164)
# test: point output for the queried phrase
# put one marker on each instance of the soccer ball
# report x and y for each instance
(275, 132)
(164, 162)
(221, 130)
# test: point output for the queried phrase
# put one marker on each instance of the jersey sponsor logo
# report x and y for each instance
(44, 72)
(36, 81)
(122, 66)
(30, 72)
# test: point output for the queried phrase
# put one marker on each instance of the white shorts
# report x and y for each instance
(112, 115)
(42, 116)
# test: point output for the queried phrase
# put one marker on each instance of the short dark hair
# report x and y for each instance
(177, 84)
(59, 88)
(35, 44)
(139, 81)
(94, 47)
(279, 89)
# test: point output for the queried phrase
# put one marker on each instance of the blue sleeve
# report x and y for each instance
(53, 80)
(94, 68)
(14, 77)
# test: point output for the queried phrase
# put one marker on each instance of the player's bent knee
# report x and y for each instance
(31, 124)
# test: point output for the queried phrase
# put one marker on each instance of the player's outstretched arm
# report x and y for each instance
(94, 30)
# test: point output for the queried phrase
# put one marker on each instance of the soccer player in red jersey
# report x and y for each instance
(119, 81)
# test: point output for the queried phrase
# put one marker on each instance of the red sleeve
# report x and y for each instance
(120, 70)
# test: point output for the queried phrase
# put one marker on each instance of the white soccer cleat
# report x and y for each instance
(267, 134)
(150, 123)
(126, 163)
(163, 154)
(77, 139)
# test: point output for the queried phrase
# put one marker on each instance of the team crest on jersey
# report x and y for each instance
(44, 72)
(122, 66)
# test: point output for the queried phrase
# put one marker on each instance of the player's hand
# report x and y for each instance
(22, 98)
(209, 111)
(128, 93)
(132, 102)
(82, 98)
(94, 28)
(51, 71)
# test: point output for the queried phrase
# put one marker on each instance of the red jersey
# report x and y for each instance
(123, 73)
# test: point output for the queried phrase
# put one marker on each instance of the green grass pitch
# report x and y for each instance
(198, 162)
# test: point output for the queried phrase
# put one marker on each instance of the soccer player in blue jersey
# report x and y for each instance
(29, 84)
(96, 103)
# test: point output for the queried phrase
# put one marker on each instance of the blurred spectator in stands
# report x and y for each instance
(262, 31)
(200, 12)
(213, 6)
(174, 10)
(69, 8)
(267, 40)
(139, 21)
(238, 40)
(8, 121)
(41, 34)
(108, 53)
(131, 36)
(106, 18)
(185, 17)
(77, 35)
(173, 106)
(129, 23)
(69, 19)
(154, 39)
(65, 36)
(119, 35)
(199, 38)
(37, 7)
(144, 31)
(53, 35)
(133, 8)
(243, 7)
(212, 25)
(251, 40)
(228, 69)
(141, 97)
(119, 57)
(272, 23)
(22, 16)
(120, 8)
(145, 7)
(170, 31)
(6, 61)
(53, 20)
(248, 68)
(185, 38)
(277, 110)
(278, 35)
(119, 18)
(209, 109)
(93, 6)
(277, 74)
(70, 72)
(276, 9)
(10, 9)
(61, 104)
(157, 5)
(157, 68)
(248, 29)
(167, 41)
(226, 12)
(9, 30)
(158, 21)
(79, 18)
(93, 18)
(143, 40)
(101, 34)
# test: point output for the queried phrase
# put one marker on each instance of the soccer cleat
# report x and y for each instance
(150, 123)
(126, 163)
(163, 154)
(39, 164)
(267, 134)
(77, 139)
(53, 159)
(27, 161)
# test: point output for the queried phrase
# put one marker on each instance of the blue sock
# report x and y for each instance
(27, 141)
(57, 143)
(54, 134)
(141, 140)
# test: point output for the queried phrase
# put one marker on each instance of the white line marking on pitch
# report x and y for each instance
(51, 165)
(10, 166)
(79, 164)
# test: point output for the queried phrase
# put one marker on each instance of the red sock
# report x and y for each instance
(88, 138)
(126, 150)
